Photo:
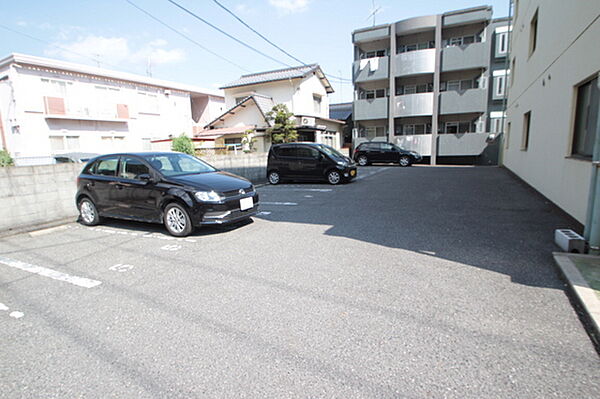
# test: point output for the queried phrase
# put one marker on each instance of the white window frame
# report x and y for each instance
(502, 42)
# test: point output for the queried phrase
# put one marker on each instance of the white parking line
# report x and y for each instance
(279, 203)
(53, 274)
(16, 314)
(46, 231)
(3, 306)
(360, 177)
(318, 190)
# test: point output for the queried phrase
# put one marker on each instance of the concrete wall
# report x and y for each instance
(371, 34)
(36, 195)
(415, 62)
(376, 108)
(469, 101)
(545, 83)
(475, 55)
(367, 75)
(413, 104)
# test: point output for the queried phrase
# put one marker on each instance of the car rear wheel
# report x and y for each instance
(177, 220)
(404, 161)
(363, 161)
(274, 177)
(334, 177)
(88, 214)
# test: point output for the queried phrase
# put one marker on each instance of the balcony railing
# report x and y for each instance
(370, 69)
(415, 62)
(470, 56)
(376, 108)
(469, 101)
(417, 104)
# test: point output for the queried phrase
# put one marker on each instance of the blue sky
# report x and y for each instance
(115, 35)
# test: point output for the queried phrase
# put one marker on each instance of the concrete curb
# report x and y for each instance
(584, 294)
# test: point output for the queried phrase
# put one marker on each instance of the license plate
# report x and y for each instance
(246, 203)
(352, 173)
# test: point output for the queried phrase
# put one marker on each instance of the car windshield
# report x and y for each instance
(177, 164)
(398, 147)
(330, 151)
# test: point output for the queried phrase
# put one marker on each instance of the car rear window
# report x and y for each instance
(107, 167)
(287, 151)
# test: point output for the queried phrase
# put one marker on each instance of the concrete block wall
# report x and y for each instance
(37, 195)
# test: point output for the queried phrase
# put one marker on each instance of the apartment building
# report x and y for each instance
(303, 89)
(50, 107)
(433, 84)
(553, 130)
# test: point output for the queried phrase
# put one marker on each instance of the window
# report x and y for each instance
(526, 127)
(239, 99)
(451, 127)
(466, 84)
(60, 143)
(465, 127)
(502, 42)
(453, 85)
(533, 26)
(148, 103)
(410, 89)
(507, 136)
(586, 118)
(499, 85)
(496, 125)
(132, 168)
(379, 93)
(373, 54)
(317, 104)
(513, 71)
(287, 152)
(107, 166)
(411, 47)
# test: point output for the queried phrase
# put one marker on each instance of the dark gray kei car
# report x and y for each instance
(176, 189)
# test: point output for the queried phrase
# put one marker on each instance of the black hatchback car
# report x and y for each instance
(374, 151)
(176, 189)
(308, 161)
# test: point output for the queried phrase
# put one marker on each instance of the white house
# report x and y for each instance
(302, 89)
(50, 107)
(553, 123)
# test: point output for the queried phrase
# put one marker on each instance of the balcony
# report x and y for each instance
(376, 108)
(464, 145)
(469, 101)
(371, 70)
(371, 35)
(418, 104)
(415, 62)
(471, 56)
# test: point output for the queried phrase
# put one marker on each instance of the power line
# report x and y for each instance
(225, 33)
(340, 79)
(261, 36)
(96, 60)
(186, 36)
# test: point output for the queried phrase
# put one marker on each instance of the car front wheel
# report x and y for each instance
(88, 214)
(177, 220)
(404, 161)
(274, 177)
(362, 160)
(334, 177)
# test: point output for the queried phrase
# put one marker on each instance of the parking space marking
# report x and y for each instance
(370, 174)
(158, 236)
(279, 203)
(265, 213)
(120, 268)
(16, 314)
(173, 247)
(318, 190)
(3, 307)
(53, 274)
(308, 196)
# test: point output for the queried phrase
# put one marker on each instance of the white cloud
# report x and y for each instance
(289, 6)
(115, 51)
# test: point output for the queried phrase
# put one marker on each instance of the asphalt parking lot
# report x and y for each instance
(409, 282)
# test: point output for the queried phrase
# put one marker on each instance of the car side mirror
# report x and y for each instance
(145, 177)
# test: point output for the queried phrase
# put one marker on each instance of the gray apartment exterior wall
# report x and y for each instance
(439, 61)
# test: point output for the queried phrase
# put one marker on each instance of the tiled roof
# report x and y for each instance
(280, 74)
(340, 111)
(264, 104)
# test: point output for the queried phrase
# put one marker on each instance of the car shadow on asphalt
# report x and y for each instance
(151, 228)
(479, 216)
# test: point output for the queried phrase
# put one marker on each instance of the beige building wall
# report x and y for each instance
(544, 82)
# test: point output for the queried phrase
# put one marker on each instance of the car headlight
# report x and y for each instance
(208, 196)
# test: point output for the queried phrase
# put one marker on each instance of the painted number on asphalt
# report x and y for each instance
(121, 268)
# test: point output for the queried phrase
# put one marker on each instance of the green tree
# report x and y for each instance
(183, 144)
(5, 159)
(248, 141)
(283, 130)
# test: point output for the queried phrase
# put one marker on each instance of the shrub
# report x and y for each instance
(183, 144)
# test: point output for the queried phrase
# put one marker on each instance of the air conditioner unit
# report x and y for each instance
(569, 241)
(307, 121)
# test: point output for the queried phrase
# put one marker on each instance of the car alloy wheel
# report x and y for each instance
(88, 212)
(177, 220)
(404, 161)
(334, 177)
(274, 178)
(362, 160)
